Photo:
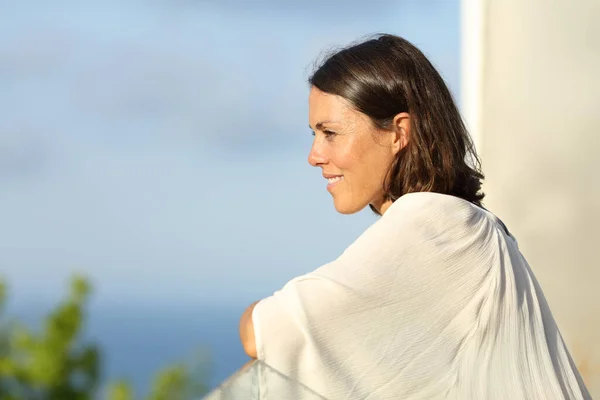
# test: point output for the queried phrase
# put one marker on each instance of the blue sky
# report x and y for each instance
(160, 147)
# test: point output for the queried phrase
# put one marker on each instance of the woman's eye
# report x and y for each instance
(325, 132)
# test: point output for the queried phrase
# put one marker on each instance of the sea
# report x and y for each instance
(138, 341)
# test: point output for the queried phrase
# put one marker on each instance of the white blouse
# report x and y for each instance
(433, 301)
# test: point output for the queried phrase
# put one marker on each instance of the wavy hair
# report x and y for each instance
(387, 75)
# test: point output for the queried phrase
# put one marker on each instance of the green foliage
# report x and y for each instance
(120, 391)
(55, 364)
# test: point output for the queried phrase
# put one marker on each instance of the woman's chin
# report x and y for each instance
(347, 207)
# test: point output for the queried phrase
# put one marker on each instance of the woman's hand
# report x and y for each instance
(247, 331)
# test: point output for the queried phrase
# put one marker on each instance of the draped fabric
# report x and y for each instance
(433, 301)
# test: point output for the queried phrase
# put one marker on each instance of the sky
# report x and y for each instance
(160, 148)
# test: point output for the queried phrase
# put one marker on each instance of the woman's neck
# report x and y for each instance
(382, 206)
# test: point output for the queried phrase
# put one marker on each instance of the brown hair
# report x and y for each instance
(387, 75)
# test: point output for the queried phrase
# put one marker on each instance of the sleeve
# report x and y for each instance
(295, 329)
(292, 318)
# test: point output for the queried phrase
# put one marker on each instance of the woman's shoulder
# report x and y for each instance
(433, 211)
(445, 212)
(430, 234)
(430, 202)
(417, 218)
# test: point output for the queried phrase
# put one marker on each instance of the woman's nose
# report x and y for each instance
(316, 156)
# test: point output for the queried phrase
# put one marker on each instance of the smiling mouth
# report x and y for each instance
(335, 179)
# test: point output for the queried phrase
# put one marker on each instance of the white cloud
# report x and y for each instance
(169, 147)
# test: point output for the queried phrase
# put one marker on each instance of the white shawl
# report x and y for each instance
(433, 301)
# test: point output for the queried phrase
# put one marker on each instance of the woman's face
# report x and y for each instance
(353, 154)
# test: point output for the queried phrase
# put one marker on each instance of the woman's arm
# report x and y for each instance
(247, 331)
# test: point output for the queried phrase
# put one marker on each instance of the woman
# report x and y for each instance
(434, 300)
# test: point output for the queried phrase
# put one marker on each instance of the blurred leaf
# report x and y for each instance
(3, 293)
(55, 364)
(170, 384)
(120, 391)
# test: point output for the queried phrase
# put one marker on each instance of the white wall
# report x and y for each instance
(534, 105)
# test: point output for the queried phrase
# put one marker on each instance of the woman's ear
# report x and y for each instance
(401, 126)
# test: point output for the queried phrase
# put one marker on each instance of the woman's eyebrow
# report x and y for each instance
(319, 125)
